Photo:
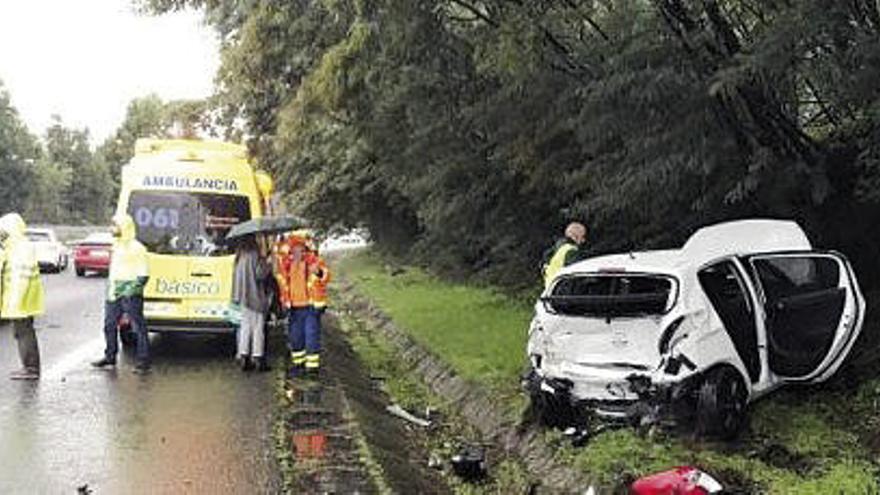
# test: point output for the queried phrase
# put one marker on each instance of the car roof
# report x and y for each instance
(38, 230)
(743, 237)
(99, 237)
(740, 237)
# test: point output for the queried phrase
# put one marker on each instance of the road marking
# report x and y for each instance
(78, 359)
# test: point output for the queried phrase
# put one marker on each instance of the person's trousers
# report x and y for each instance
(28, 350)
(304, 337)
(251, 336)
(133, 307)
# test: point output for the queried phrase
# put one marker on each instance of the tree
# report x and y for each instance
(467, 133)
(89, 188)
(19, 151)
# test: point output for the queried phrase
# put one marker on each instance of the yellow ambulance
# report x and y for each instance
(184, 196)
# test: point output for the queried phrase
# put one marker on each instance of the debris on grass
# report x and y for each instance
(406, 415)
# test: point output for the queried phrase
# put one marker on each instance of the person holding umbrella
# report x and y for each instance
(250, 284)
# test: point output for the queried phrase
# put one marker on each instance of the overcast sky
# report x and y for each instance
(86, 59)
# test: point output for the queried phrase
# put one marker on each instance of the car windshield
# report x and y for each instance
(612, 295)
(186, 223)
(38, 236)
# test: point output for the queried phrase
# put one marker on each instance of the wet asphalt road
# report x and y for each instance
(194, 425)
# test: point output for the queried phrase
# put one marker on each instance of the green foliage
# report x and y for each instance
(479, 332)
(19, 151)
(75, 184)
(467, 133)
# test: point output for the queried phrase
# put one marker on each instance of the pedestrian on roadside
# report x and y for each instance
(127, 279)
(295, 270)
(21, 293)
(250, 292)
(318, 278)
(565, 251)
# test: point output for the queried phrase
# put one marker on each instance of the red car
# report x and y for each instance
(93, 254)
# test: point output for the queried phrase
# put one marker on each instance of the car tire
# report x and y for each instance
(80, 272)
(722, 402)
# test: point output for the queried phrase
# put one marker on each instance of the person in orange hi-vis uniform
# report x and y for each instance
(302, 285)
(318, 278)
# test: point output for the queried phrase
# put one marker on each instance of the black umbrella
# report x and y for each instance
(265, 225)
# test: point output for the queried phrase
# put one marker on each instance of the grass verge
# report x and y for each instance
(801, 441)
(449, 431)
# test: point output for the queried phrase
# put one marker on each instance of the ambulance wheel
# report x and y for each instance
(722, 401)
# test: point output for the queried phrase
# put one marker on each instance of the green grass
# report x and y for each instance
(507, 475)
(479, 332)
(800, 441)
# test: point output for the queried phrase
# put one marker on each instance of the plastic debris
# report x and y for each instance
(684, 480)
(404, 414)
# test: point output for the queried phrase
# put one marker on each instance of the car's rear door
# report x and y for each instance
(813, 309)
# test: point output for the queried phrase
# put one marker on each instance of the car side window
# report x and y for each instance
(784, 277)
(726, 290)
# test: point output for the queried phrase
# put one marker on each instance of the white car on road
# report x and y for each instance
(741, 309)
(51, 253)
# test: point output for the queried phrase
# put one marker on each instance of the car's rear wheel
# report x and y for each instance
(722, 400)
(80, 272)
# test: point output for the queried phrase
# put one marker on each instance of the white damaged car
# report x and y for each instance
(741, 309)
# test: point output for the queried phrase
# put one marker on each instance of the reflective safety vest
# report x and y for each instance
(21, 292)
(557, 261)
(128, 262)
(291, 277)
(297, 286)
(317, 285)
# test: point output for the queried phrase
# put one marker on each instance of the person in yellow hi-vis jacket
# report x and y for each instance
(21, 292)
(565, 252)
(125, 294)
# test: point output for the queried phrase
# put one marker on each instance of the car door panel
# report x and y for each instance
(811, 301)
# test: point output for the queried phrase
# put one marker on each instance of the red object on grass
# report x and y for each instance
(684, 480)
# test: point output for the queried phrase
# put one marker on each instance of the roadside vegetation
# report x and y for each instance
(60, 178)
(467, 133)
(449, 430)
(822, 439)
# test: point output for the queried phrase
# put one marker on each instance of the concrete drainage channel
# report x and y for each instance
(339, 433)
(475, 406)
(336, 437)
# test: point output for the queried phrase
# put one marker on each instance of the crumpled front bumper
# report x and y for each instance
(638, 399)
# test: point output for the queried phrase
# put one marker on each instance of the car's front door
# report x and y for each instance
(813, 311)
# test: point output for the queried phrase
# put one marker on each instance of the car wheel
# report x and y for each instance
(722, 401)
(80, 272)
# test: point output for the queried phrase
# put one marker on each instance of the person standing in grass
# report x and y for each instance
(565, 252)
(250, 281)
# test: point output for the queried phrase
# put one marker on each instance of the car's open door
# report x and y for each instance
(813, 311)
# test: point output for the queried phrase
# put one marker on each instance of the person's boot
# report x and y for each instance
(141, 368)
(103, 362)
(25, 374)
(263, 364)
(246, 363)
